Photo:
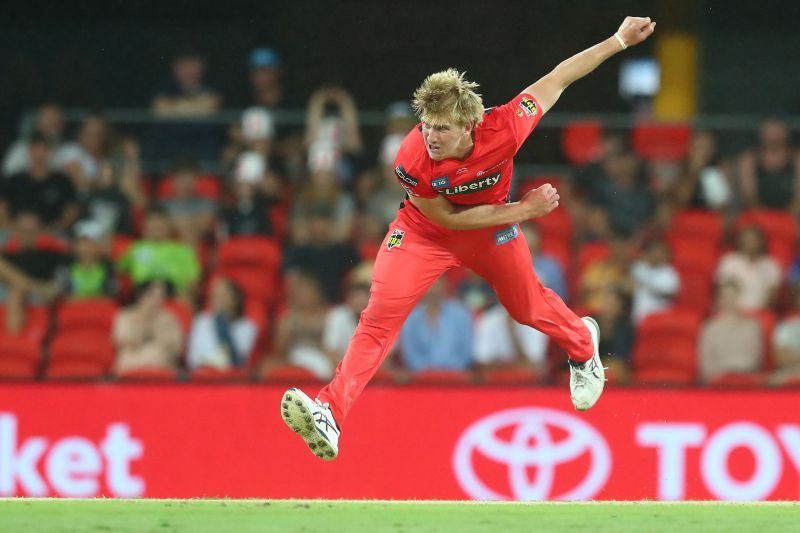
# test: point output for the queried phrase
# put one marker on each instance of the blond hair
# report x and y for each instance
(447, 98)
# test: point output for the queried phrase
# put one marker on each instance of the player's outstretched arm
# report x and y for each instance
(536, 203)
(548, 89)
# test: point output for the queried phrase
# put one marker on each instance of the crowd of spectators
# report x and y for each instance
(81, 220)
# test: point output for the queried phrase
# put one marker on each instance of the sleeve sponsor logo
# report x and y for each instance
(405, 177)
(527, 107)
(442, 182)
(409, 191)
(395, 239)
(479, 184)
(506, 235)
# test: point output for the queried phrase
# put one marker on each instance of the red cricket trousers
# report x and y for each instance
(410, 262)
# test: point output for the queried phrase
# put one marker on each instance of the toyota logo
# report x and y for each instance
(530, 443)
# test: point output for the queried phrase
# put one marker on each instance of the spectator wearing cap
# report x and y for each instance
(255, 190)
(191, 214)
(222, 337)
(48, 124)
(265, 77)
(341, 320)
(156, 256)
(322, 255)
(89, 274)
(50, 194)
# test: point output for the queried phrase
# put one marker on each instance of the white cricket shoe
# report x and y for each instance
(586, 379)
(313, 421)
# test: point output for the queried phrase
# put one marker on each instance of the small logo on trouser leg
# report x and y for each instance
(395, 239)
(505, 235)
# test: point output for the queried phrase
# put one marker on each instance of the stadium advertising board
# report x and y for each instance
(453, 443)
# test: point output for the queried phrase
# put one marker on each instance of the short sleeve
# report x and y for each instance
(519, 116)
(414, 185)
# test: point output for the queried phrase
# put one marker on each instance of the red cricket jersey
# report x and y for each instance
(484, 177)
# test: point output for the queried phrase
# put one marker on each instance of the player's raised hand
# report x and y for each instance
(540, 201)
(636, 29)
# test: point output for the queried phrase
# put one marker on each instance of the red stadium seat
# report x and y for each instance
(663, 376)
(216, 375)
(254, 252)
(120, 245)
(257, 284)
(44, 241)
(19, 356)
(205, 186)
(661, 142)
(556, 225)
(182, 312)
(37, 322)
(76, 369)
(442, 377)
(510, 376)
(739, 379)
(674, 323)
(87, 314)
(665, 350)
(696, 292)
(14, 368)
(288, 373)
(591, 253)
(148, 374)
(694, 256)
(696, 224)
(582, 141)
(83, 345)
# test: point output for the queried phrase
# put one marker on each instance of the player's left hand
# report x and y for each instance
(636, 29)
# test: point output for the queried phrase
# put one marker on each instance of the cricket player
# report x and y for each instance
(456, 168)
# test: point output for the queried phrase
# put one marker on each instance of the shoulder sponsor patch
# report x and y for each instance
(506, 235)
(405, 176)
(395, 239)
(527, 107)
(442, 182)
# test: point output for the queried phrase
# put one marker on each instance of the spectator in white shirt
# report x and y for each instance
(757, 274)
(222, 337)
(341, 321)
(656, 282)
(500, 341)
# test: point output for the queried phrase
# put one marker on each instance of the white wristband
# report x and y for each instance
(622, 42)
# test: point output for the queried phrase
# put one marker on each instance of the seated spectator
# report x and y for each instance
(770, 174)
(147, 334)
(28, 271)
(186, 94)
(341, 321)
(655, 281)
(158, 257)
(298, 336)
(255, 192)
(89, 274)
(703, 181)
(786, 344)
(222, 337)
(333, 136)
(756, 274)
(548, 268)
(38, 189)
(475, 293)
(110, 199)
(617, 333)
(327, 260)
(265, 78)
(49, 124)
(191, 215)
(323, 193)
(612, 272)
(84, 160)
(730, 341)
(500, 341)
(437, 334)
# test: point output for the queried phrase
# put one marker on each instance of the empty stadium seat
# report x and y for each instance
(205, 186)
(739, 379)
(665, 350)
(19, 356)
(697, 224)
(217, 375)
(37, 322)
(556, 225)
(83, 346)
(76, 369)
(87, 314)
(16, 368)
(148, 374)
(661, 142)
(254, 252)
(696, 293)
(582, 141)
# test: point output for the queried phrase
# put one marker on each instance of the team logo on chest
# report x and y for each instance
(395, 239)
(479, 184)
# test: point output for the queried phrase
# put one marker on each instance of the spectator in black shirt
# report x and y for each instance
(255, 192)
(51, 195)
(323, 257)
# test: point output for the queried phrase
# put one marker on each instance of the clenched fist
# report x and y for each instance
(540, 201)
(636, 29)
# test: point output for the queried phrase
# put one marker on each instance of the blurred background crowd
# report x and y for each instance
(232, 238)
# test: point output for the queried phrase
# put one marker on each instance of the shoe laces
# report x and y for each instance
(584, 373)
(324, 405)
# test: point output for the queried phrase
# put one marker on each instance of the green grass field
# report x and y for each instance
(198, 516)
